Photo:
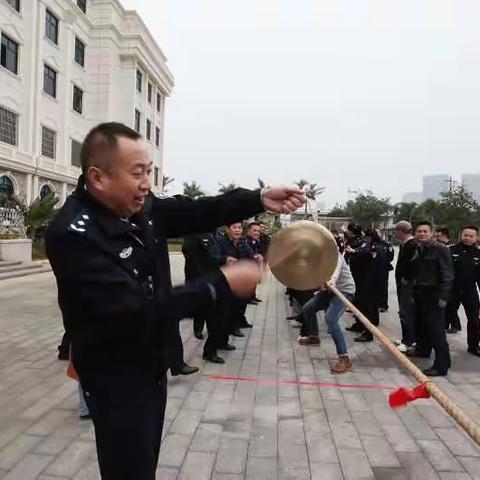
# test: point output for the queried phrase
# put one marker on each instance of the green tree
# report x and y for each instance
(368, 210)
(312, 190)
(338, 211)
(166, 181)
(193, 190)
(458, 208)
(224, 188)
(261, 183)
(39, 214)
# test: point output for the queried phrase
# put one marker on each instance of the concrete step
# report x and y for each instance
(4, 263)
(19, 267)
(23, 270)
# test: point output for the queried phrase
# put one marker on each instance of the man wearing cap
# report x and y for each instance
(403, 233)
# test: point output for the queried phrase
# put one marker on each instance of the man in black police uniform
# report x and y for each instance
(366, 260)
(195, 249)
(388, 256)
(228, 250)
(432, 277)
(254, 241)
(108, 250)
(466, 265)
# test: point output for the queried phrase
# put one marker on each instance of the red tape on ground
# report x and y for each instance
(359, 386)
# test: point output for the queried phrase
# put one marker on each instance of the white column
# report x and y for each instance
(29, 189)
(35, 191)
(64, 193)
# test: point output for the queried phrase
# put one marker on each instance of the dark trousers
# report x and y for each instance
(175, 351)
(366, 301)
(127, 413)
(217, 328)
(64, 347)
(199, 322)
(471, 306)
(383, 290)
(430, 329)
(406, 313)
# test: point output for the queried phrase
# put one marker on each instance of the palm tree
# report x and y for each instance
(166, 181)
(312, 190)
(192, 190)
(261, 183)
(227, 188)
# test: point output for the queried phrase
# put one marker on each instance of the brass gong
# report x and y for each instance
(303, 255)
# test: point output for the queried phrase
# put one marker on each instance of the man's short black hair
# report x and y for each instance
(424, 223)
(101, 139)
(253, 224)
(444, 231)
(470, 227)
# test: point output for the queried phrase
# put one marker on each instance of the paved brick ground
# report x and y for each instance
(228, 429)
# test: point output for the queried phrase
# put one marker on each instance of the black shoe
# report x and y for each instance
(237, 333)
(252, 302)
(292, 317)
(474, 351)
(246, 325)
(433, 372)
(198, 335)
(258, 300)
(356, 327)
(383, 309)
(227, 347)
(414, 353)
(364, 337)
(186, 370)
(85, 417)
(63, 354)
(453, 330)
(213, 358)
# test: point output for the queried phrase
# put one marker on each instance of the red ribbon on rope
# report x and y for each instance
(400, 397)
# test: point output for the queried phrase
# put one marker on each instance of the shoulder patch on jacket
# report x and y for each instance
(80, 223)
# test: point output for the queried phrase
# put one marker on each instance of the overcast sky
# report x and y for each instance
(359, 94)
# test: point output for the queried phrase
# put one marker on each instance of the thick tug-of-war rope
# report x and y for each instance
(455, 412)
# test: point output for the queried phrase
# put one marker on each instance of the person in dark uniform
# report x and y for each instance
(432, 276)
(466, 266)
(195, 249)
(366, 260)
(264, 240)
(388, 255)
(108, 250)
(228, 250)
(403, 280)
(340, 241)
(354, 240)
(254, 241)
(442, 235)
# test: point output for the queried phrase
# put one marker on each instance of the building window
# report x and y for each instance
(14, 4)
(139, 81)
(150, 90)
(49, 81)
(138, 118)
(6, 187)
(149, 129)
(157, 136)
(155, 176)
(48, 142)
(9, 54)
(45, 191)
(79, 52)
(51, 27)
(159, 102)
(77, 99)
(76, 147)
(82, 4)
(8, 126)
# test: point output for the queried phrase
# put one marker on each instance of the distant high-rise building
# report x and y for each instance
(434, 185)
(409, 197)
(471, 183)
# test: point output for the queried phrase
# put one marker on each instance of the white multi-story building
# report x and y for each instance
(67, 65)
(434, 185)
(471, 183)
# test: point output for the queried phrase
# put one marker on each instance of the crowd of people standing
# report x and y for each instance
(433, 278)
